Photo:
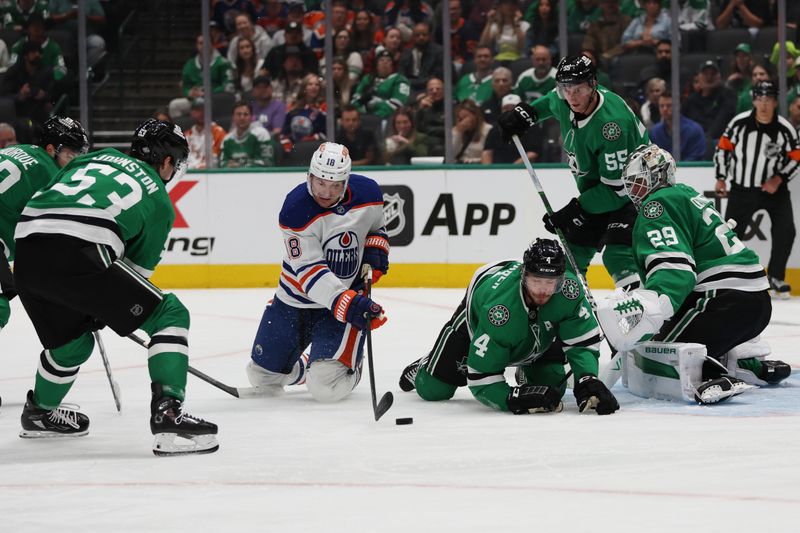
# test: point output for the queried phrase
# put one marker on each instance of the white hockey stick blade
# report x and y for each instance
(611, 373)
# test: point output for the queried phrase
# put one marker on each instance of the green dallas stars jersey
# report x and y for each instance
(381, 97)
(506, 332)
(682, 244)
(254, 149)
(106, 197)
(529, 87)
(597, 146)
(24, 169)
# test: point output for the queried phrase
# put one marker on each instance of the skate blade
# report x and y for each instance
(167, 444)
(717, 395)
(36, 434)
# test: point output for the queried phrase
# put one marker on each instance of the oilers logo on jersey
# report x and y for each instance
(341, 254)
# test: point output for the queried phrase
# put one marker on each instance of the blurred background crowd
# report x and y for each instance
(269, 77)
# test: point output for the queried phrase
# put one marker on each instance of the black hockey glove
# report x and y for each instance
(517, 121)
(534, 399)
(591, 393)
(577, 225)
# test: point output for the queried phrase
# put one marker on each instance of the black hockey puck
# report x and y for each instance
(403, 421)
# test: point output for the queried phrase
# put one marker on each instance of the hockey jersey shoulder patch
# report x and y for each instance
(499, 315)
(652, 209)
(570, 289)
(611, 131)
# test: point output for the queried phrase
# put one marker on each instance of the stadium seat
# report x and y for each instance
(222, 108)
(301, 154)
(10, 37)
(765, 40)
(626, 71)
(575, 43)
(723, 42)
(519, 66)
(8, 111)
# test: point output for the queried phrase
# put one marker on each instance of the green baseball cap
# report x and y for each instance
(743, 47)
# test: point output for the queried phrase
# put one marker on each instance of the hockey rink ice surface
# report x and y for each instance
(289, 464)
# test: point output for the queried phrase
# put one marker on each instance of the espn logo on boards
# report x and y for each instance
(398, 214)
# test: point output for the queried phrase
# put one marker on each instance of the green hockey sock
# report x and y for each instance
(58, 369)
(5, 311)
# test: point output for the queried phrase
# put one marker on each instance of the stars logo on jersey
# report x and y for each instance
(571, 290)
(611, 131)
(499, 315)
(653, 209)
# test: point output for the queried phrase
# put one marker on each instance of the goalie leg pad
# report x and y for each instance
(664, 370)
(748, 371)
(330, 381)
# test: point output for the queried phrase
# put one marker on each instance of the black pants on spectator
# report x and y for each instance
(743, 202)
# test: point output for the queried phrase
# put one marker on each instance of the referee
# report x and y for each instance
(759, 151)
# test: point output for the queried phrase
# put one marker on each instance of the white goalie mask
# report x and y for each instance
(648, 168)
(331, 162)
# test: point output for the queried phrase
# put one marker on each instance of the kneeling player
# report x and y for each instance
(86, 245)
(528, 314)
(332, 225)
(701, 284)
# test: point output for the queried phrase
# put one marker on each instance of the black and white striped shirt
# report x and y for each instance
(750, 153)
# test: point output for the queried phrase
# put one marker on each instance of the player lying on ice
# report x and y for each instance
(86, 245)
(701, 285)
(530, 314)
(332, 225)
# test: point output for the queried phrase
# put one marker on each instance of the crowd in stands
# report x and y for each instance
(388, 69)
(38, 57)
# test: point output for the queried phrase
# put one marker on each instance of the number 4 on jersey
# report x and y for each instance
(481, 344)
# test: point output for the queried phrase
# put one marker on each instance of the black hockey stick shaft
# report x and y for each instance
(233, 391)
(549, 209)
(378, 408)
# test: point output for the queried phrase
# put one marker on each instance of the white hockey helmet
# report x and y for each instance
(330, 162)
(648, 168)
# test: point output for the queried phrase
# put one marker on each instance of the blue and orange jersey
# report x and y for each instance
(325, 246)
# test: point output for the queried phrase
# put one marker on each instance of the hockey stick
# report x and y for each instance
(378, 408)
(238, 392)
(114, 385)
(611, 372)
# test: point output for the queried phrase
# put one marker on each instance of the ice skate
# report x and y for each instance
(38, 423)
(778, 288)
(177, 432)
(409, 375)
(774, 371)
(720, 389)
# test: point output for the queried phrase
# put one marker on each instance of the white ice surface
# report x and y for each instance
(289, 464)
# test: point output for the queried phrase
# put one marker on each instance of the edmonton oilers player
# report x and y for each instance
(332, 225)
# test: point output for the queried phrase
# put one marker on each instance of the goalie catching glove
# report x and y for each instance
(591, 393)
(534, 399)
(358, 310)
(626, 317)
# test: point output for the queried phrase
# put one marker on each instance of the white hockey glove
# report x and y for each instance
(626, 317)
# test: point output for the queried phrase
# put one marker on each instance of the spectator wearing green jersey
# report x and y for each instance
(581, 13)
(405, 141)
(248, 144)
(540, 78)
(18, 13)
(383, 92)
(192, 79)
(52, 55)
(476, 85)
